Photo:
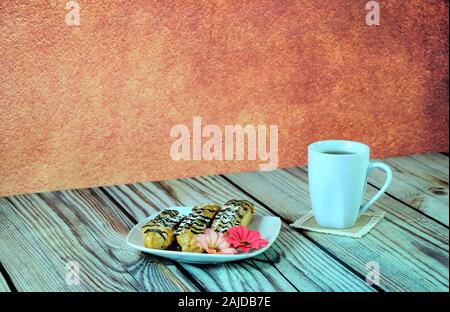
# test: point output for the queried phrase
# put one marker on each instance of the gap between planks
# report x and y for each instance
(6, 283)
(410, 206)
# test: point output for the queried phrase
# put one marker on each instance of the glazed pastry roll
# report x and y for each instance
(159, 233)
(233, 213)
(195, 223)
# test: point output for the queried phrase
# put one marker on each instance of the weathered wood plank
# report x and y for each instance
(418, 185)
(432, 182)
(436, 161)
(143, 200)
(38, 243)
(306, 266)
(412, 250)
(94, 214)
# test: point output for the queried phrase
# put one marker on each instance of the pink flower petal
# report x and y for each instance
(221, 241)
(233, 240)
(200, 237)
(224, 245)
(259, 244)
(229, 251)
(211, 250)
(253, 236)
(214, 237)
(242, 232)
(202, 244)
(244, 239)
(245, 248)
(236, 234)
(207, 236)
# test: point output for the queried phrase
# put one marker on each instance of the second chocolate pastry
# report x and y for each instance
(233, 213)
(195, 223)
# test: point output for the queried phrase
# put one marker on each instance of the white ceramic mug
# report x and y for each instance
(338, 172)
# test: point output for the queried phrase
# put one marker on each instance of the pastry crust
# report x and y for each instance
(169, 225)
(234, 213)
(195, 223)
(159, 233)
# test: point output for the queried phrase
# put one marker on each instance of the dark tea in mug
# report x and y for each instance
(338, 153)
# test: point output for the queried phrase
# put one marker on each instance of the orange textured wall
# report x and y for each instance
(94, 104)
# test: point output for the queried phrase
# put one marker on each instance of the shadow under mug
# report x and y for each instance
(337, 173)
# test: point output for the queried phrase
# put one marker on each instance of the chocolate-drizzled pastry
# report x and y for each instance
(158, 233)
(233, 213)
(195, 223)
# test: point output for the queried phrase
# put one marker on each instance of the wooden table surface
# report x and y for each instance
(41, 233)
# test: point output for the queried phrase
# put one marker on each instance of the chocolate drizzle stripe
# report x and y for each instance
(158, 232)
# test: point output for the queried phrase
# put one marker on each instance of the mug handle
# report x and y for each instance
(388, 181)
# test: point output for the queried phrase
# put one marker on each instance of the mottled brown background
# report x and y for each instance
(94, 104)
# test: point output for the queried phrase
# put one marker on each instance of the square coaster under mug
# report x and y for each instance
(363, 225)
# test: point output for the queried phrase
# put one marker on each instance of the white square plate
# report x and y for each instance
(268, 226)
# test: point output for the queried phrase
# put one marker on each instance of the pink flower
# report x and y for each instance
(245, 239)
(214, 243)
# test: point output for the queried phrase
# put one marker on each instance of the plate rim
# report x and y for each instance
(205, 256)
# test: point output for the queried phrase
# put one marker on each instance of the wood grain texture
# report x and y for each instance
(305, 266)
(419, 181)
(38, 241)
(94, 214)
(37, 245)
(411, 249)
(422, 177)
(437, 161)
